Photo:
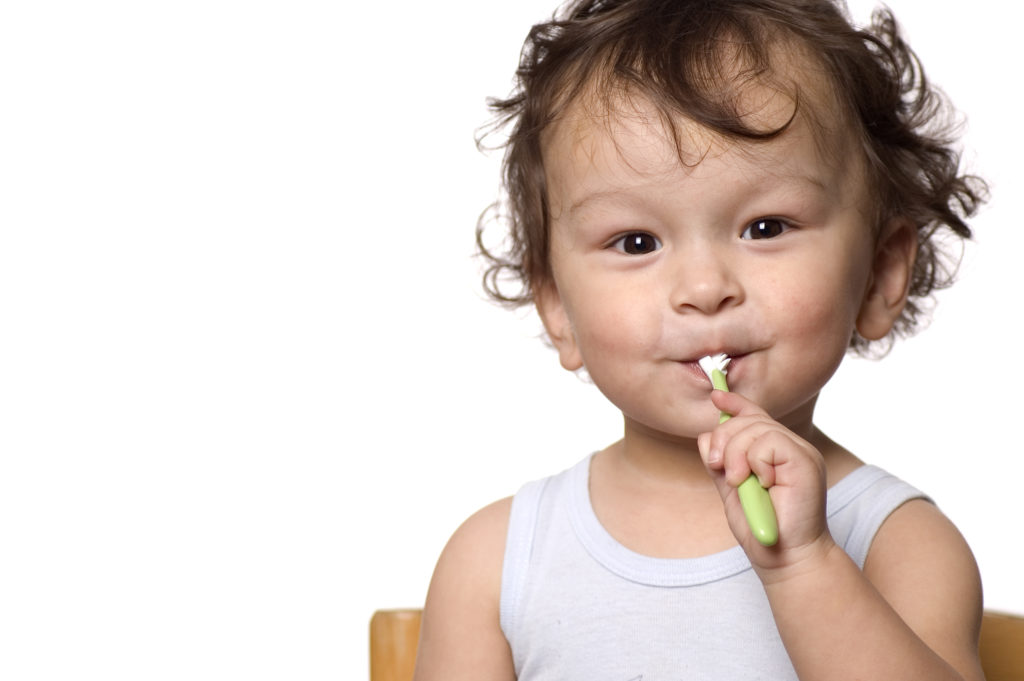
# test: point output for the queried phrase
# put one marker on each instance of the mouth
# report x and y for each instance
(693, 367)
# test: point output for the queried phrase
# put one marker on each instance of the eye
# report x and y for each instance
(637, 243)
(765, 228)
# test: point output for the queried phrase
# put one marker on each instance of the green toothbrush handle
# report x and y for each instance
(757, 505)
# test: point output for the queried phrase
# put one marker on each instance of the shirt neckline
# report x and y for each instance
(676, 572)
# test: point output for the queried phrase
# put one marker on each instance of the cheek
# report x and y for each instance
(822, 312)
(815, 314)
(611, 330)
(813, 325)
(613, 326)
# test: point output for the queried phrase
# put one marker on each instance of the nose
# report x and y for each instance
(705, 283)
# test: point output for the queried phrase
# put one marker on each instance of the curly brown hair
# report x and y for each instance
(672, 53)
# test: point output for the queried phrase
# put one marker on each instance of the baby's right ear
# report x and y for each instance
(558, 325)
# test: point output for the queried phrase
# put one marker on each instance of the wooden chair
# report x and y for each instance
(394, 635)
(1002, 647)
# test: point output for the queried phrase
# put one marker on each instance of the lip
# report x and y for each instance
(693, 366)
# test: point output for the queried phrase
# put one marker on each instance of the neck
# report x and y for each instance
(650, 453)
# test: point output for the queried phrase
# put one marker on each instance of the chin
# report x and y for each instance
(680, 431)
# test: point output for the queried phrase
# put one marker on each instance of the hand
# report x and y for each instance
(790, 467)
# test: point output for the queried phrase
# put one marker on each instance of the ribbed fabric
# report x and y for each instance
(576, 604)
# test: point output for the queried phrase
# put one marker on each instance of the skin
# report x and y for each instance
(766, 253)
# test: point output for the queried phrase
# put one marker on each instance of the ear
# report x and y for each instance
(556, 322)
(891, 274)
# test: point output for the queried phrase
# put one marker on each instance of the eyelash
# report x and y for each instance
(783, 225)
(634, 239)
(623, 242)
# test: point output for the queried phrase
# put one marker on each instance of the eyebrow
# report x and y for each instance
(594, 197)
(604, 194)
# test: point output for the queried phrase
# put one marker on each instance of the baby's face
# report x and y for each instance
(760, 250)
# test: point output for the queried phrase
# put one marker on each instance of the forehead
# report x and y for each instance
(790, 91)
(614, 138)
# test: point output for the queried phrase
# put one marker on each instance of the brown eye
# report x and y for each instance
(638, 243)
(764, 228)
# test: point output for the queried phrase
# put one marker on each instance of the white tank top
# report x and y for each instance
(576, 604)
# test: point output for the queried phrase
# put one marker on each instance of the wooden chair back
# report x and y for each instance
(1002, 647)
(394, 635)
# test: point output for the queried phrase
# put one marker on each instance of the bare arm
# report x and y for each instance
(914, 613)
(461, 637)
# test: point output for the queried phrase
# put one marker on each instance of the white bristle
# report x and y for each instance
(712, 362)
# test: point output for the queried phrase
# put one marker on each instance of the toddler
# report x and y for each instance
(684, 178)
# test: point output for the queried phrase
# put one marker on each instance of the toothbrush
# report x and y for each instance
(757, 505)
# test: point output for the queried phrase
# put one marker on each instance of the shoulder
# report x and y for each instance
(474, 555)
(461, 636)
(923, 567)
(918, 545)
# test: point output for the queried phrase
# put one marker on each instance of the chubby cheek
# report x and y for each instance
(611, 333)
(616, 338)
(821, 309)
(820, 326)
(815, 325)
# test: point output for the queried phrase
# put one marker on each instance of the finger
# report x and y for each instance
(752, 449)
(766, 453)
(725, 435)
(712, 457)
(713, 465)
(735, 404)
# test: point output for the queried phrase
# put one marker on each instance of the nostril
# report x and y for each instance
(707, 284)
(707, 303)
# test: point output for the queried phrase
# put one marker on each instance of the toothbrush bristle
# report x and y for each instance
(712, 362)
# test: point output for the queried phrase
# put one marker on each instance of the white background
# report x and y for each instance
(248, 383)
